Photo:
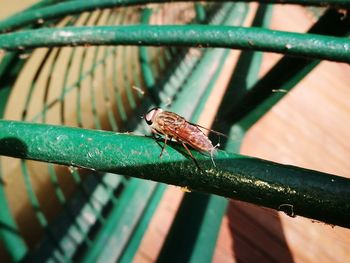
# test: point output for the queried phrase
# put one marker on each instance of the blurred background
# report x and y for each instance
(308, 128)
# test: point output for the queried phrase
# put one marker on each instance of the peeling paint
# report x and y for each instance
(64, 33)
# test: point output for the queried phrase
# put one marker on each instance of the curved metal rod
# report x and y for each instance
(296, 44)
(38, 15)
(291, 189)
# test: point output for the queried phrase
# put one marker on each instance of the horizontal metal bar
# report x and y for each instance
(294, 190)
(296, 44)
(75, 7)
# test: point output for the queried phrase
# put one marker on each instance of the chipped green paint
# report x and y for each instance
(311, 46)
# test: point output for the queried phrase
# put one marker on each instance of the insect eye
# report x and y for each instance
(152, 111)
(149, 116)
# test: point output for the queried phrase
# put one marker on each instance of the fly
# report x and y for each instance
(172, 126)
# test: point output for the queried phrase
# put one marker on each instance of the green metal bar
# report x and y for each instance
(112, 18)
(296, 44)
(71, 239)
(296, 191)
(75, 7)
(128, 252)
(245, 74)
(120, 19)
(116, 88)
(36, 6)
(105, 237)
(48, 81)
(92, 91)
(25, 171)
(193, 238)
(110, 235)
(63, 201)
(10, 236)
(93, 83)
(76, 85)
(249, 106)
(74, 173)
(78, 181)
(146, 70)
(67, 69)
(213, 207)
(107, 96)
(126, 71)
(200, 13)
(126, 55)
(38, 211)
(9, 233)
(193, 235)
(33, 85)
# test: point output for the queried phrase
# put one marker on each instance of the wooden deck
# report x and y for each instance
(309, 128)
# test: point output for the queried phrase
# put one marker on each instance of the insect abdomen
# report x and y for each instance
(197, 139)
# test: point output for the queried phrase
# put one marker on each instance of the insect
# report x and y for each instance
(172, 126)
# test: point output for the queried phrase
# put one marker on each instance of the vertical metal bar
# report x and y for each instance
(193, 234)
(9, 233)
(284, 75)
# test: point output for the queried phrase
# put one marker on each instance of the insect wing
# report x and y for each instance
(209, 130)
(194, 137)
(169, 124)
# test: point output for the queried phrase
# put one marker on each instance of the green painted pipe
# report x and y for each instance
(294, 190)
(296, 44)
(75, 7)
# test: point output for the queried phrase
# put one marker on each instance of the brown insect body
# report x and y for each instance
(173, 126)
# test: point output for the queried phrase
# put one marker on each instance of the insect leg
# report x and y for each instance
(165, 141)
(192, 157)
(212, 152)
(156, 136)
